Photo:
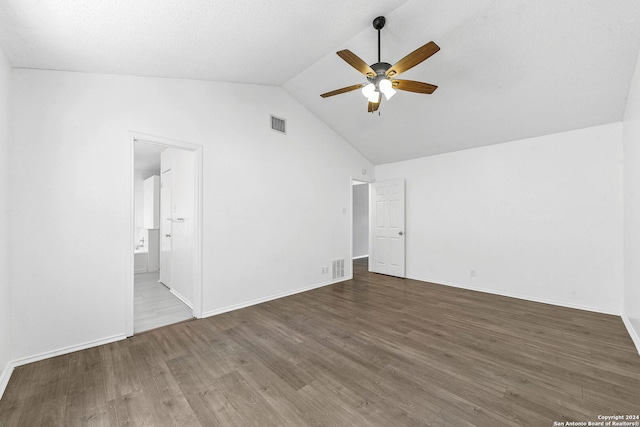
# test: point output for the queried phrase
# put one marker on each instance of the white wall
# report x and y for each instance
(5, 329)
(265, 233)
(539, 218)
(632, 209)
(360, 220)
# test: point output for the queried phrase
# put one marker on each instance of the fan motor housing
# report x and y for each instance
(380, 68)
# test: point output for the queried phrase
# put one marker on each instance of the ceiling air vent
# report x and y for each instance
(278, 124)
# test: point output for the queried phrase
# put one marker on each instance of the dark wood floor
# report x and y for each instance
(375, 350)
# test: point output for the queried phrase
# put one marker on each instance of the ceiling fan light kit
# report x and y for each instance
(380, 75)
(386, 87)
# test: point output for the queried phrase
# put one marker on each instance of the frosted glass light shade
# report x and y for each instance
(386, 87)
(374, 97)
(368, 90)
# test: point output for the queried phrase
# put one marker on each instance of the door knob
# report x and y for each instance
(401, 233)
(167, 235)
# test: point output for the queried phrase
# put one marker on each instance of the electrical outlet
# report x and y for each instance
(325, 270)
(472, 273)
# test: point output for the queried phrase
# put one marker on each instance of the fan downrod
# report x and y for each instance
(378, 24)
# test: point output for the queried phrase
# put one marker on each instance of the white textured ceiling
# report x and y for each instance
(243, 41)
(507, 69)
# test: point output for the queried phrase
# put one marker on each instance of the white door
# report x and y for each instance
(165, 227)
(386, 252)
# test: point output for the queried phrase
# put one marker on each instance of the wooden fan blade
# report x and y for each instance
(339, 91)
(413, 59)
(357, 63)
(373, 106)
(412, 86)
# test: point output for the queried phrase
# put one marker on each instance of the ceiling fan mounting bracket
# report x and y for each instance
(378, 23)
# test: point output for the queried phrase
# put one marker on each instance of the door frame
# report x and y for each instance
(198, 192)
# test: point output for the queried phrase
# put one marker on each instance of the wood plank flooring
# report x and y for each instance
(374, 351)
(155, 305)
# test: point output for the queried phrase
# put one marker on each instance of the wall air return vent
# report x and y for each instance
(278, 124)
(337, 269)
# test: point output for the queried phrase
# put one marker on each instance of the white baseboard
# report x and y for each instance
(6, 374)
(272, 297)
(66, 350)
(522, 297)
(635, 334)
(181, 298)
(360, 257)
(4, 377)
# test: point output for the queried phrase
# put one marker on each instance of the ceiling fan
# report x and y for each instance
(381, 74)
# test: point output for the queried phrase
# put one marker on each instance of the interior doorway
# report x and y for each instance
(165, 285)
(359, 222)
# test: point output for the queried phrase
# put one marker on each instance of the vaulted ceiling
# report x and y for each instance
(507, 69)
